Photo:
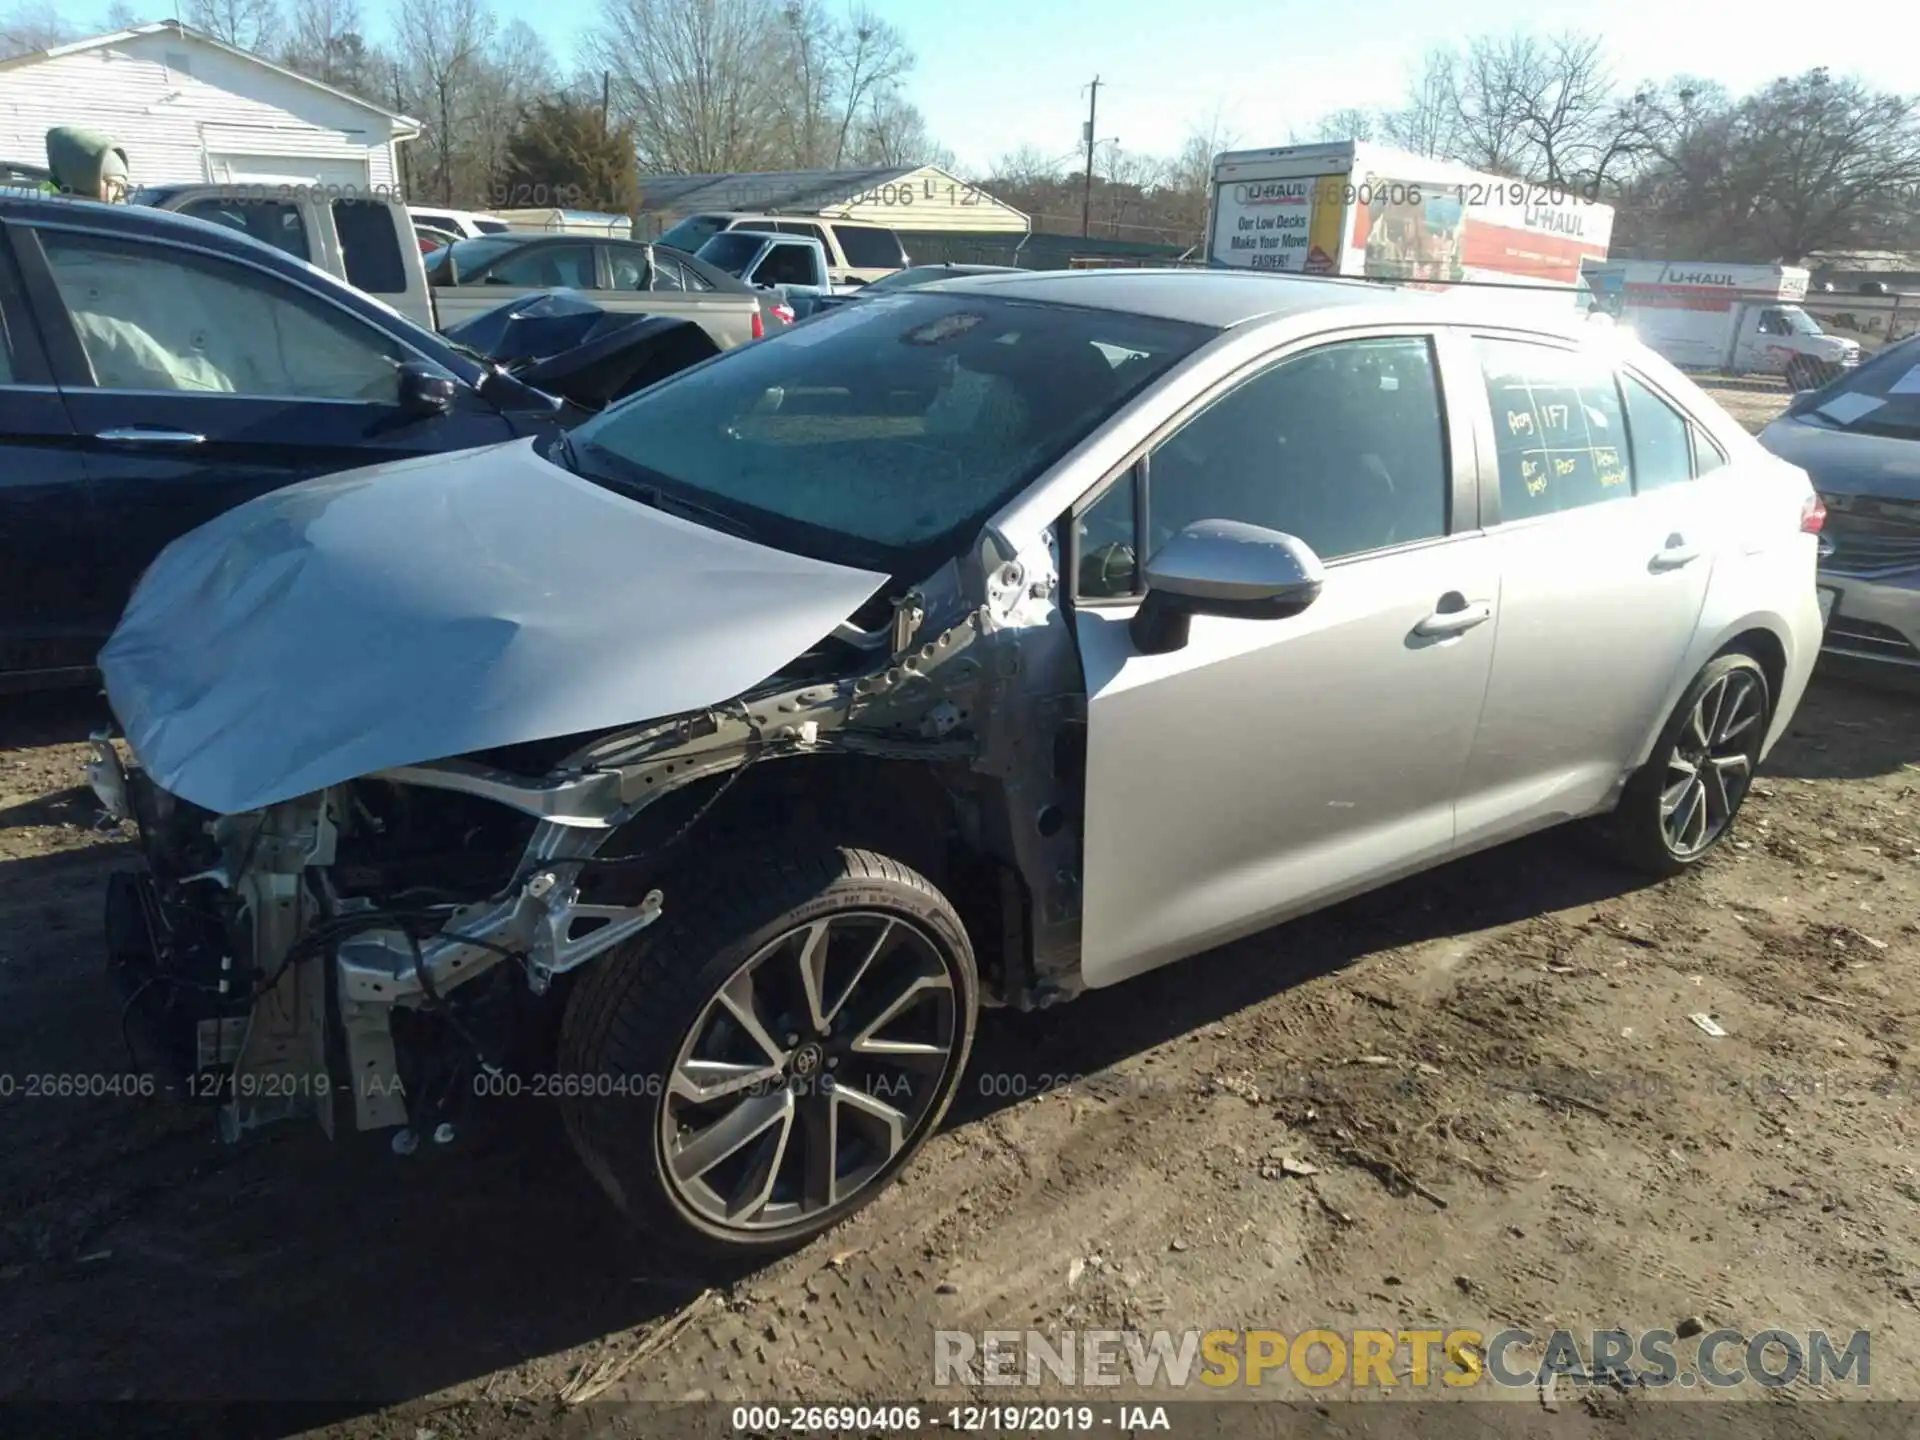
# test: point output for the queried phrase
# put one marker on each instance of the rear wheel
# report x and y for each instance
(1679, 805)
(776, 1052)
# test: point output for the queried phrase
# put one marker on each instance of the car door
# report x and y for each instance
(49, 562)
(1604, 561)
(645, 281)
(1268, 767)
(526, 269)
(195, 381)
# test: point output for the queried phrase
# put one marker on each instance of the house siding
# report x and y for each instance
(174, 122)
(930, 199)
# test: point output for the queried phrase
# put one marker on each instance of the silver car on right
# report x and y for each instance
(1859, 440)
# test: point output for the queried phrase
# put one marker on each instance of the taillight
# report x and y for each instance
(1813, 515)
(759, 325)
(785, 312)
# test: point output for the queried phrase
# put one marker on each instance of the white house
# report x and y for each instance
(187, 107)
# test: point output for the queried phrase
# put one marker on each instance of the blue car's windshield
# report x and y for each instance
(1881, 397)
(884, 433)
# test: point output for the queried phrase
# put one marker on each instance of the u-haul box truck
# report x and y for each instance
(1740, 319)
(1359, 209)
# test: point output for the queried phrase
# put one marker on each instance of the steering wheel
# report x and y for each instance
(1108, 569)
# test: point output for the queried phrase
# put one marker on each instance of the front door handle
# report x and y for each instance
(1455, 621)
(140, 435)
(1675, 553)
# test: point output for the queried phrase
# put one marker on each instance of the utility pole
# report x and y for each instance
(606, 100)
(1086, 195)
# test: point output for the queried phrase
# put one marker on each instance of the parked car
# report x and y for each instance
(1013, 638)
(371, 243)
(156, 370)
(367, 241)
(792, 266)
(617, 275)
(463, 224)
(1859, 438)
(856, 254)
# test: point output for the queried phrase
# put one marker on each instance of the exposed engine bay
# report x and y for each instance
(362, 952)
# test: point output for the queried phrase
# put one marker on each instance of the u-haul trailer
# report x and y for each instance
(1358, 209)
(1739, 319)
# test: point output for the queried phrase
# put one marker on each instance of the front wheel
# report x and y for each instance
(769, 1056)
(1681, 802)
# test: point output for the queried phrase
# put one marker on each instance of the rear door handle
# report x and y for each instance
(1675, 553)
(140, 435)
(1453, 622)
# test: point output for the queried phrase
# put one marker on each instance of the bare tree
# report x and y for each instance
(121, 16)
(516, 70)
(1424, 120)
(444, 46)
(37, 25)
(1350, 123)
(697, 79)
(872, 58)
(327, 40)
(252, 25)
(894, 132)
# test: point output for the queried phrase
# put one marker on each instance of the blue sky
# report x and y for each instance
(996, 74)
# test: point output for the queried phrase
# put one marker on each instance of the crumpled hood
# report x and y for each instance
(424, 609)
(1846, 462)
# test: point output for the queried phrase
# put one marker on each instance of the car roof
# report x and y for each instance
(1220, 298)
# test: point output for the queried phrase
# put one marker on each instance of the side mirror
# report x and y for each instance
(1223, 567)
(426, 390)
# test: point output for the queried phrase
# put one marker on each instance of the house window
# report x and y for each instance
(179, 62)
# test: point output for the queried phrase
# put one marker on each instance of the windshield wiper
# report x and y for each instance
(649, 492)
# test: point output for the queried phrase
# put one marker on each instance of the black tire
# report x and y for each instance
(641, 1006)
(1638, 832)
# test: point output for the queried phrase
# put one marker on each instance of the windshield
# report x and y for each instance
(693, 232)
(732, 251)
(1882, 397)
(466, 257)
(884, 434)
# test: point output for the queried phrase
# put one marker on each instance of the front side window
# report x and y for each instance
(1662, 454)
(1343, 447)
(881, 434)
(868, 247)
(786, 265)
(801, 227)
(1558, 429)
(546, 267)
(154, 317)
(370, 246)
(272, 222)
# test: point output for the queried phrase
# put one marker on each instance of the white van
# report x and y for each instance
(464, 223)
(856, 254)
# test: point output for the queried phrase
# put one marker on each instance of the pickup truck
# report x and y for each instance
(793, 265)
(368, 239)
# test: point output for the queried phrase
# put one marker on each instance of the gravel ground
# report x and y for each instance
(1474, 1099)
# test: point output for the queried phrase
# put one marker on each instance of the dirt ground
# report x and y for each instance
(1490, 1070)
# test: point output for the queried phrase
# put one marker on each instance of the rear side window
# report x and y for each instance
(547, 267)
(1558, 428)
(868, 247)
(370, 246)
(1661, 453)
(273, 221)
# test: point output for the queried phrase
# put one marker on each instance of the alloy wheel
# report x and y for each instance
(809, 1071)
(1711, 763)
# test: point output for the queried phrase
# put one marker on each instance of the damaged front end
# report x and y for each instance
(365, 950)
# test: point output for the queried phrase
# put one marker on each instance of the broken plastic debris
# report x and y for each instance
(1710, 1025)
(1291, 1166)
